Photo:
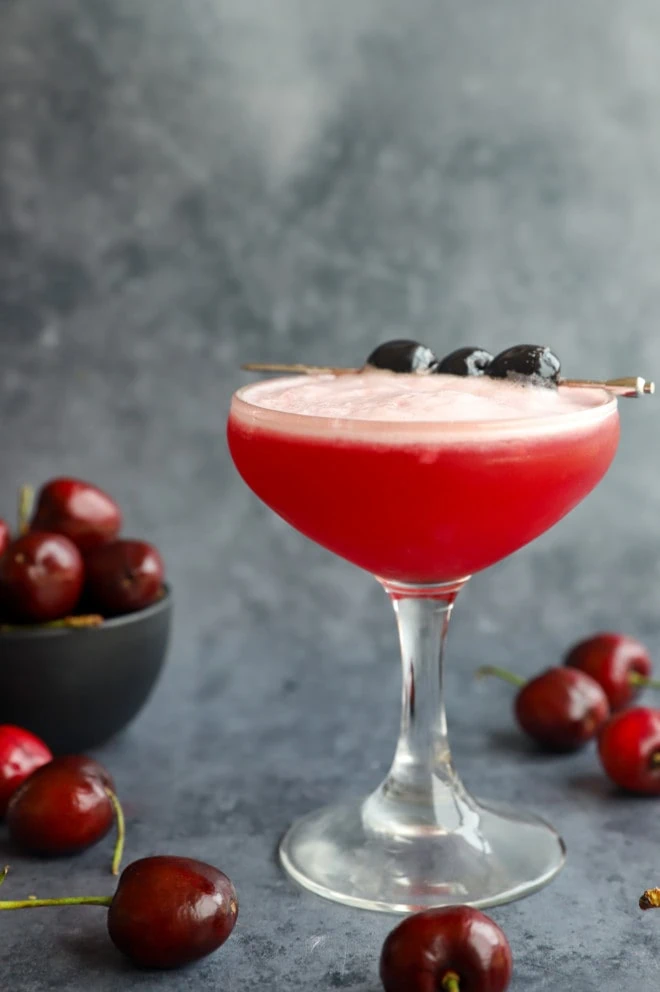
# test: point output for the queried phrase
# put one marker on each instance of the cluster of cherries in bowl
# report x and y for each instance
(68, 558)
(523, 362)
(166, 911)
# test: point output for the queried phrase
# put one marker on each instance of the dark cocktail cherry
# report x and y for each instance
(465, 361)
(453, 949)
(621, 664)
(402, 356)
(629, 750)
(166, 912)
(561, 709)
(535, 362)
(21, 753)
(65, 807)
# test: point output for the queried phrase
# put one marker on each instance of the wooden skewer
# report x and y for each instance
(630, 386)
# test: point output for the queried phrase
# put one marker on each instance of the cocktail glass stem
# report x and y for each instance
(421, 839)
(422, 786)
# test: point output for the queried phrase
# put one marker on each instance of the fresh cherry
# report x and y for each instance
(527, 361)
(21, 753)
(65, 807)
(402, 356)
(166, 912)
(453, 949)
(620, 664)
(80, 511)
(41, 577)
(465, 361)
(5, 536)
(561, 709)
(125, 576)
(629, 750)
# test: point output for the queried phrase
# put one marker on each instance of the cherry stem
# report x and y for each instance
(650, 899)
(643, 682)
(121, 831)
(4, 873)
(500, 673)
(33, 903)
(25, 504)
(451, 982)
(82, 622)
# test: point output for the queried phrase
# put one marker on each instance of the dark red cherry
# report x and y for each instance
(453, 949)
(167, 911)
(21, 753)
(125, 576)
(561, 709)
(79, 510)
(621, 664)
(41, 577)
(62, 808)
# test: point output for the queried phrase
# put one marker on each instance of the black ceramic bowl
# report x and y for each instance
(77, 688)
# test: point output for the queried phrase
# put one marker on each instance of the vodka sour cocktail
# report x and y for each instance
(421, 480)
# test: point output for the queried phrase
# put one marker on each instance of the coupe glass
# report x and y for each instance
(421, 507)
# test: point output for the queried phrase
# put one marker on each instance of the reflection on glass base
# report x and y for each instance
(493, 854)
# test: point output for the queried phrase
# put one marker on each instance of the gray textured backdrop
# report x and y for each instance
(184, 186)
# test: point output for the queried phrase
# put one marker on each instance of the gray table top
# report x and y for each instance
(183, 187)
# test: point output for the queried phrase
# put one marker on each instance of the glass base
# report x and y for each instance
(489, 854)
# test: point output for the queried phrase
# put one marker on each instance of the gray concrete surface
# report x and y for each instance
(187, 186)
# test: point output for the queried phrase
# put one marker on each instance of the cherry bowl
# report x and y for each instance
(78, 688)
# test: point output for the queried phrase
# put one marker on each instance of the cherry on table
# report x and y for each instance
(41, 577)
(621, 664)
(629, 750)
(82, 512)
(65, 807)
(452, 949)
(125, 576)
(167, 911)
(21, 753)
(561, 709)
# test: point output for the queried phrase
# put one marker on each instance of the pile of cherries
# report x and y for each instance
(524, 362)
(166, 911)
(68, 558)
(563, 708)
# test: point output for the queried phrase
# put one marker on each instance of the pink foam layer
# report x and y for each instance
(443, 399)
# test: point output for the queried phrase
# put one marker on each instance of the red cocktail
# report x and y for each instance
(421, 480)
